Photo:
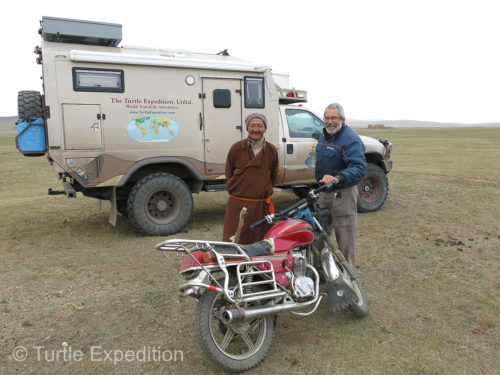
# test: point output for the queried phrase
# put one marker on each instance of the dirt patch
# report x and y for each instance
(449, 242)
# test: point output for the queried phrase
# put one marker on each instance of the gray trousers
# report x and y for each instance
(343, 215)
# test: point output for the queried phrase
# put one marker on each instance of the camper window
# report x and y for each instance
(107, 80)
(254, 92)
(222, 98)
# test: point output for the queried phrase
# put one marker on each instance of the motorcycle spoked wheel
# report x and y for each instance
(359, 307)
(236, 347)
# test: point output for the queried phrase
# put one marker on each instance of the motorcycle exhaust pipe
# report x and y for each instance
(239, 314)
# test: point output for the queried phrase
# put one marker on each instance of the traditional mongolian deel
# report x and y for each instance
(250, 184)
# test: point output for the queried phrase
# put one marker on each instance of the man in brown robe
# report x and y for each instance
(251, 169)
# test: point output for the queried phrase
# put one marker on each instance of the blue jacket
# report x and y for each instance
(341, 155)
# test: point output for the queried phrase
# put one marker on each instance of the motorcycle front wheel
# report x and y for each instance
(237, 346)
(350, 289)
(359, 308)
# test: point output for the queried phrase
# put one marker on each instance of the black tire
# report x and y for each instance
(373, 189)
(160, 204)
(29, 104)
(360, 307)
(236, 355)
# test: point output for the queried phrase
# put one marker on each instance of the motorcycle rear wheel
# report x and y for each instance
(236, 347)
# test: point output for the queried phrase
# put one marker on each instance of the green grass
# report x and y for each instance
(428, 260)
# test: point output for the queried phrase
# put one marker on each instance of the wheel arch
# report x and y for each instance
(375, 158)
(175, 166)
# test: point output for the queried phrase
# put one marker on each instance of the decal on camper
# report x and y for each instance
(152, 129)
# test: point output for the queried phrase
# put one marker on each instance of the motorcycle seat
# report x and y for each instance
(264, 247)
(259, 248)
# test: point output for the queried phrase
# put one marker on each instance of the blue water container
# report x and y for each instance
(30, 138)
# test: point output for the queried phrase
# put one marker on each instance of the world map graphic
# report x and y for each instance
(152, 129)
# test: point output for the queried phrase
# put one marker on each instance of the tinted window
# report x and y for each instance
(222, 98)
(254, 92)
(85, 79)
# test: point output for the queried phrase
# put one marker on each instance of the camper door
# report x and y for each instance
(222, 124)
(82, 126)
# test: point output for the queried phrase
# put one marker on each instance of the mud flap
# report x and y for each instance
(340, 294)
(113, 210)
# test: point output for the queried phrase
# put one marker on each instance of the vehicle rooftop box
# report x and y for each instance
(67, 30)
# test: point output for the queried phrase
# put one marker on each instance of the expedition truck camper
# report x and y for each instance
(146, 128)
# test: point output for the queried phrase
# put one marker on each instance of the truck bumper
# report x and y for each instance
(387, 165)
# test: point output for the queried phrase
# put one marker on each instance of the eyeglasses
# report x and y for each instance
(331, 118)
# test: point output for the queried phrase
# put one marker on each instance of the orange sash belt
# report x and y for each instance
(267, 200)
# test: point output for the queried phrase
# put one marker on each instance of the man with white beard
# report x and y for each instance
(340, 157)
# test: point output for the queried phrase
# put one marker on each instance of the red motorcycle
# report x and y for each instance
(241, 288)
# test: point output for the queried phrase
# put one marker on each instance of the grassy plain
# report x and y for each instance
(429, 262)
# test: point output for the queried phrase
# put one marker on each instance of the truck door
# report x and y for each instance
(82, 126)
(222, 124)
(304, 129)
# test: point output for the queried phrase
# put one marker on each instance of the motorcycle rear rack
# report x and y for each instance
(180, 246)
(186, 247)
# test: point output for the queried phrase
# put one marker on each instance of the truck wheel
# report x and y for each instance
(373, 189)
(29, 104)
(160, 204)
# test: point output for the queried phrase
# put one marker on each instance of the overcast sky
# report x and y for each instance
(431, 60)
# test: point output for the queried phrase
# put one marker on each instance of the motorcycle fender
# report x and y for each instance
(189, 262)
(340, 294)
(330, 269)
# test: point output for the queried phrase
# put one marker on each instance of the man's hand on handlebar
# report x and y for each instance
(323, 187)
(329, 178)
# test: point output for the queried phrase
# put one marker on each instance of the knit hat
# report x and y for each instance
(256, 115)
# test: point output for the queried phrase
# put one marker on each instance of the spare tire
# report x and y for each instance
(29, 104)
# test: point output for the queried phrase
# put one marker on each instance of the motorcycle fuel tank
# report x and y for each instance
(289, 234)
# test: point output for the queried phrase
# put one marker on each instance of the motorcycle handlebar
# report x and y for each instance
(322, 188)
(269, 218)
(261, 221)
